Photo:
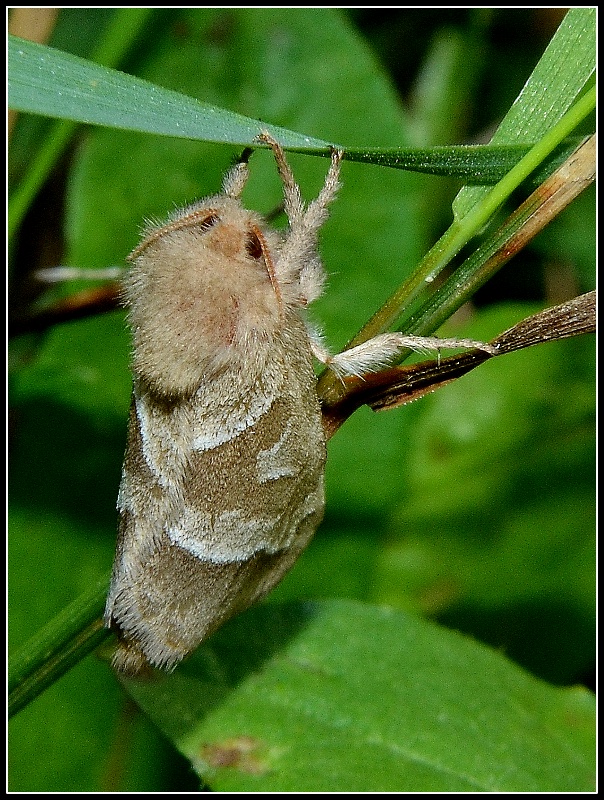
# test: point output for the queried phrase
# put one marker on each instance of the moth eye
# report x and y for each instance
(253, 246)
(209, 222)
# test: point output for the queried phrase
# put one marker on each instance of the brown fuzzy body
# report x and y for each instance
(222, 484)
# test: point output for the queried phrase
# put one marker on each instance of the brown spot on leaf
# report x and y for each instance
(243, 753)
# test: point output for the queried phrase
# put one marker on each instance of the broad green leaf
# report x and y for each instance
(340, 696)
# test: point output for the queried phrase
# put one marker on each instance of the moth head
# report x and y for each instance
(202, 294)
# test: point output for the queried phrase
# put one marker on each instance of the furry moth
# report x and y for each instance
(222, 483)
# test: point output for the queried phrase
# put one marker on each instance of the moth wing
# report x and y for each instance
(208, 543)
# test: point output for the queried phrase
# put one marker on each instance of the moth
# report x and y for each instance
(222, 485)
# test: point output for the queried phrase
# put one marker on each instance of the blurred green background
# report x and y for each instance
(474, 506)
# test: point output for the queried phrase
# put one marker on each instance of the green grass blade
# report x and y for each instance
(480, 165)
(117, 40)
(522, 225)
(46, 81)
(561, 74)
(462, 230)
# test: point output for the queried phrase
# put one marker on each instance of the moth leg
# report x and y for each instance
(60, 274)
(292, 198)
(312, 217)
(382, 351)
(298, 257)
(316, 212)
(236, 178)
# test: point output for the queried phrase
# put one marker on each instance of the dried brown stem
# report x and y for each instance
(78, 306)
(400, 385)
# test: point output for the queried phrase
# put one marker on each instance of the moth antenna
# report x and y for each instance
(270, 267)
(201, 216)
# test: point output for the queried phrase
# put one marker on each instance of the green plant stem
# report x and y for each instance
(71, 635)
(462, 230)
(522, 225)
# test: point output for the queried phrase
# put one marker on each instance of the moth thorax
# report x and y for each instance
(193, 310)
